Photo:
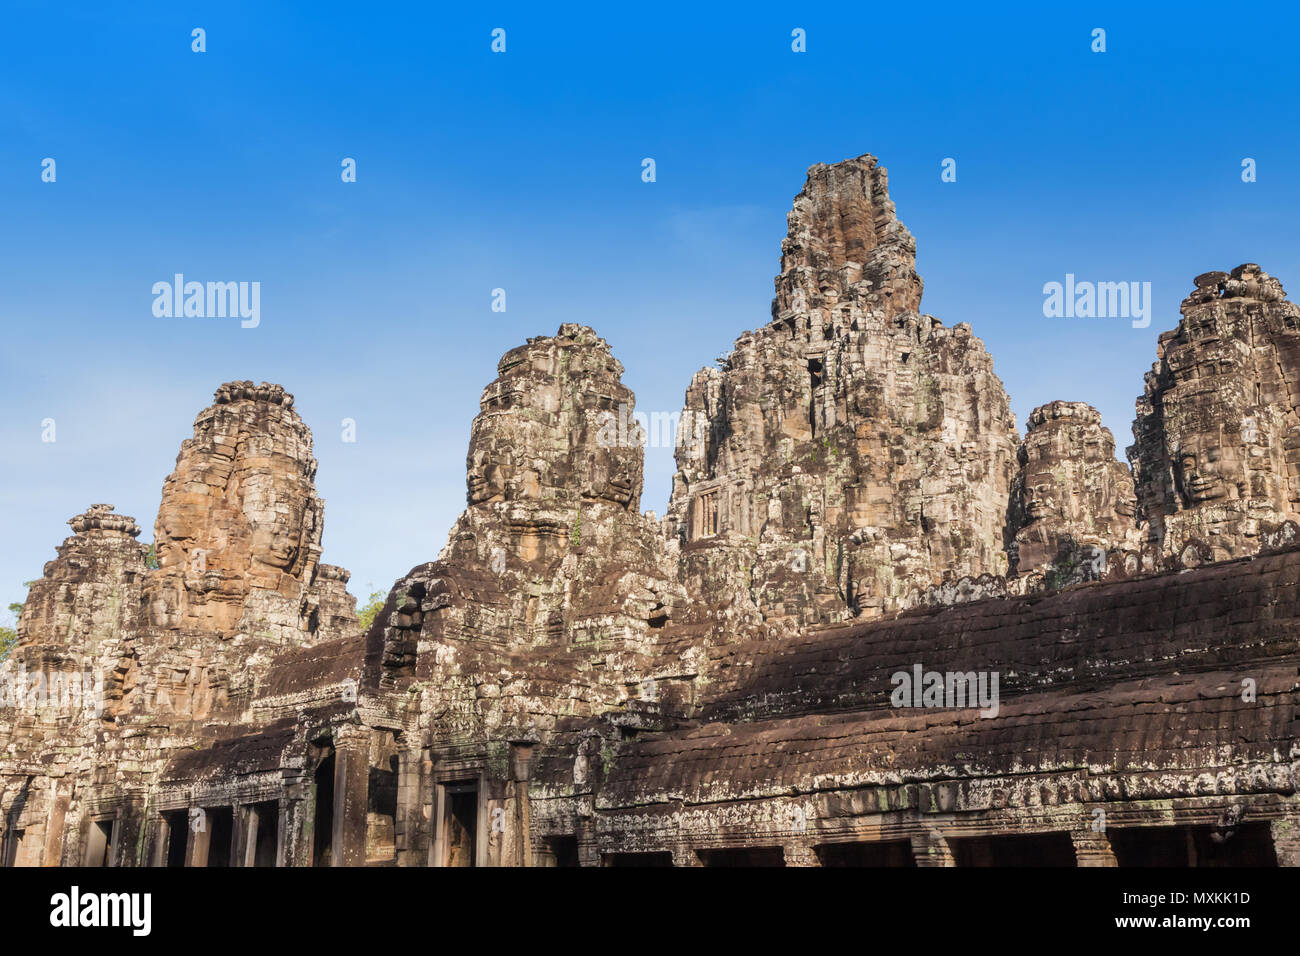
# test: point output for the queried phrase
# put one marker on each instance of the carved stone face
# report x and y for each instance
(621, 472)
(1039, 502)
(487, 478)
(282, 547)
(1208, 470)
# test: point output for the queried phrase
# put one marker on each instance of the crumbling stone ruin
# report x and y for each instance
(852, 446)
(875, 626)
(1217, 452)
(1072, 504)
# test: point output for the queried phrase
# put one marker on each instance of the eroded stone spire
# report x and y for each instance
(1072, 503)
(239, 528)
(845, 247)
(549, 426)
(1216, 455)
(90, 593)
(852, 451)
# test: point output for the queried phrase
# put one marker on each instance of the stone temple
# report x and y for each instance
(876, 625)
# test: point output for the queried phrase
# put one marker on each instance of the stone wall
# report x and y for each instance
(852, 450)
(572, 681)
(1217, 437)
(1072, 504)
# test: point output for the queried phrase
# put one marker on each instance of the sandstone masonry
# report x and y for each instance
(575, 682)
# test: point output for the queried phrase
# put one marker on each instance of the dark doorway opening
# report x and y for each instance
(9, 846)
(221, 831)
(1020, 849)
(744, 856)
(638, 859)
(814, 383)
(884, 853)
(557, 851)
(177, 834)
(323, 828)
(460, 826)
(99, 851)
(1249, 844)
(266, 820)
(381, 814)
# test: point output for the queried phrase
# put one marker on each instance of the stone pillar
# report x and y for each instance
(588, 849)
(521, 753)
(1092, 848)
(685, 856)
(800, 854)
(931, 849)
(1286, 839)
(60, 799)
(493, 831)
(196, 849)
(284, 807)
(411, 828)
(296, 819)
(157, 839)
(351, 795)
(131, 832)
(244, 839)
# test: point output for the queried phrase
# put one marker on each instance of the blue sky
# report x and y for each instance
(522, 171)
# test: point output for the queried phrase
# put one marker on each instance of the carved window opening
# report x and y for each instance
(744, 856)
(323, 827)
(706, 514)
(265, 838)
(559, 851)
(381, 809)
(220, 822)
(1029, 849)
(9, 846)
(99, 846)
(1250, 844)
(878, 853)
(814, 383)
(176, 832)
(460, 824)
(658, 616)
(637, 859)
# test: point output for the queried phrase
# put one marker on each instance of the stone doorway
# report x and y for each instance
(176, 832)
(1249, 844)
(323, 818)
(460, 824)
(99, 846)
(265, 818)
(221, 833)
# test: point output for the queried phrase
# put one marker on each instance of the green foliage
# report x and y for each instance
(9, 635)
(151, 558)
(367, 613)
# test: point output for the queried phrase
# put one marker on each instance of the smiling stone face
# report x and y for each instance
(239, 526)
(1069, 492)
(1039, 503)
(1217, 437)
(1208, 471)
(489, 476)
(556, 426)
